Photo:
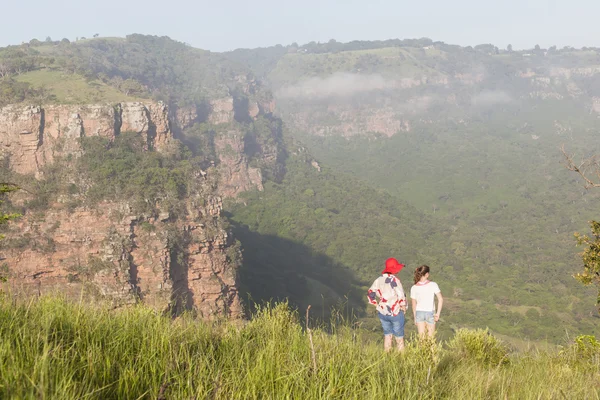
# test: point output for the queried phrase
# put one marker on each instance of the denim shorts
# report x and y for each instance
(425, 316)
(392, 325)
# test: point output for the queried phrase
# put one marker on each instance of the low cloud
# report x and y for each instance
(338, 85)
(491, 98)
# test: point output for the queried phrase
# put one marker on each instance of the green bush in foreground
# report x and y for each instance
(479, 345)
(54, 349)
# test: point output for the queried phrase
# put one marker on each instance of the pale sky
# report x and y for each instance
(221, 25)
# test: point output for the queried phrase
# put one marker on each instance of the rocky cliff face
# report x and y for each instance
(32, 136)
(221, 111)
(326, 107)
(348, 121)
(113, 254)
(231, 140)
(173, 263)
(236, 176)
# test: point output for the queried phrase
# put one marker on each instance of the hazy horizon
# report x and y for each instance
(264, 23)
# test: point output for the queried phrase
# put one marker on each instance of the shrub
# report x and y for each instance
(585, 349)
(147, 226)
(587, 346)
(479, 345)
(4, 272)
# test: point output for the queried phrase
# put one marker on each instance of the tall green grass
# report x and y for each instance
(53, 349)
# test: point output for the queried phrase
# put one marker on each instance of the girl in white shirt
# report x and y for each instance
(423, 295)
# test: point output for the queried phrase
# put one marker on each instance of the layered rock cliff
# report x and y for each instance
(173, 262)
(114, 254)
(378, 102)
(32, 136)
(234, 144)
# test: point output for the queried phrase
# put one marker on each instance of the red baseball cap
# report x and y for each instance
(392, 266)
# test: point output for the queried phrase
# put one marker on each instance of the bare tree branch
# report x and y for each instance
(4, 70)
(588, 166)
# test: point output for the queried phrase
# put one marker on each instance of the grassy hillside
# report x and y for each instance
(397, 61)
(138, 65)
(53, 349)
(64, 88)
(401, 58)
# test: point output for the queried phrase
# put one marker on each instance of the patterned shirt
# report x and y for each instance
(391, 295)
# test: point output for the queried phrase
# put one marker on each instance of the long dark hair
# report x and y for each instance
(420, 272)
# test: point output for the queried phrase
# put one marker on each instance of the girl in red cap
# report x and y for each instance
(392, 303)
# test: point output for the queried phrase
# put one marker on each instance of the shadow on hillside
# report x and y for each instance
(278, 269)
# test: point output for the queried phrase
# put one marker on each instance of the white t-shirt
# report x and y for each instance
(424, 295)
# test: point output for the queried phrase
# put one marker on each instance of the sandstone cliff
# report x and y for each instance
(331, 106)
(32, 136)
(236, 176)
(177, 262)
(113, 254)
(234, 144)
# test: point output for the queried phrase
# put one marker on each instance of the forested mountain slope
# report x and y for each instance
(471, 137)
(427, 152)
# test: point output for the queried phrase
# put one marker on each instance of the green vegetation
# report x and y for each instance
(473, 188)
(109, 69)
(64, 88)
(387, 61)
(16, 60)
(169, 69)
(319, 236)
(591, 258)
(504, 209)
(263, 60)
(479, 345)
(55, 349)
(477, 157)
(5, 217)
(123, 169)
(330, 233)
(14, 92)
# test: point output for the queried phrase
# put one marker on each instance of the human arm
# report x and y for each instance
(440, 305)
(414, 308)
(400, 294)
(372, 294)
(372, 297)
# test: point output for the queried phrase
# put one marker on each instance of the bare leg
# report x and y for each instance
(421, 329)
(431, 330)
(387, 342)
(400, 344)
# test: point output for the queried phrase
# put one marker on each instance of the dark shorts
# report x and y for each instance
(392, 325)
